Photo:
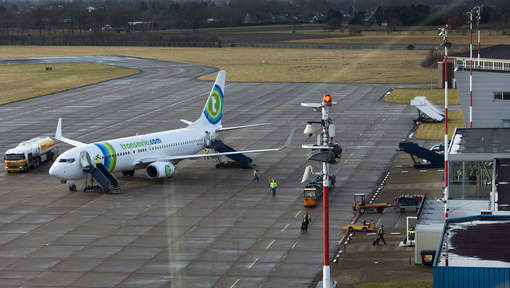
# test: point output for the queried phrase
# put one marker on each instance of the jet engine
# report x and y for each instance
(159, 170)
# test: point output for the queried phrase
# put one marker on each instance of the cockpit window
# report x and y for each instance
(64, 160)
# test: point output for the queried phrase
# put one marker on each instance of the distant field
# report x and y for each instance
(266, 64)
(430, 37)
(24, 81)
(434, 95)
(435, 131)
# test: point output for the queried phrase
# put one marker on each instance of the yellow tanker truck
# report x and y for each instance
(30, 154)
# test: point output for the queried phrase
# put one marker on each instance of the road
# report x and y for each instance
(204, 226)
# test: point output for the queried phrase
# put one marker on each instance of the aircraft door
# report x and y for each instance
(85, 159)
(207, 139)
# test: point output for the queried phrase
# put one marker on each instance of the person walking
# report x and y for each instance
(307, 220)
(380, 236)
(273, 185)
(256, 175)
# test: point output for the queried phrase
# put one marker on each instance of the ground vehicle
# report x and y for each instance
(361, 206)
(407, 202)
(313, 191)
(364, 226)
(30, 154)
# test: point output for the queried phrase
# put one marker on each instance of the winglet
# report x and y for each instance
(287, 143)
(58, 133)
(58, 136)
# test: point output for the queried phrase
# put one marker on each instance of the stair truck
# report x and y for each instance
(30, 154)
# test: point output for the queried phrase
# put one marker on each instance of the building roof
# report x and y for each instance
(480, 144)
(476, 241)
(432, 215)
(494, 52)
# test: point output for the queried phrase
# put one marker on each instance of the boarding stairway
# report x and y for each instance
(98, 172)
(426, 111)
(435, 160)
(241, 160)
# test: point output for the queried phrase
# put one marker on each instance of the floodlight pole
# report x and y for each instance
(444, 33)
(326, 279)
(327, 146)
(471, 68)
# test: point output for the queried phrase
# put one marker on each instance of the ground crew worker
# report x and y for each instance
(96, 159)
(206, 150)
(256, 175)
(307, 220)
(380, 236)
(273, 186)
(459, 175)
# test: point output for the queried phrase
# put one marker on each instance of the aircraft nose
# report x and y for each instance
(54, 170)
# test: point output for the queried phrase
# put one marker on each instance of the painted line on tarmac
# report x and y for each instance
(253, 263)
(293, 245)
(285, 228)
(270, 244)
(297, 214)
(235, 283)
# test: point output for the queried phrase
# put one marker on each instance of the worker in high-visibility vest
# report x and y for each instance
(380, 236)
(307, 220)
(273, 186)
(256, 175)
(96, 159)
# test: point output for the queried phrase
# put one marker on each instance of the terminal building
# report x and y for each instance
(478, 180)
(473, 252)
(490, 86)
(479, 158)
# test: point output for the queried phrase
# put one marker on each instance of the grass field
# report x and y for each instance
(435, 131)
(434, 95)
(268, 65)
(24, 81)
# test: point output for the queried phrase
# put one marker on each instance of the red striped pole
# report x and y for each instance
(471, 69)
(326, 279)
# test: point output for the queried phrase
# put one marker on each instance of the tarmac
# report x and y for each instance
(204, 226)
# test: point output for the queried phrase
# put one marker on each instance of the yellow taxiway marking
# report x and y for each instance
(253, 263)
(270, 244)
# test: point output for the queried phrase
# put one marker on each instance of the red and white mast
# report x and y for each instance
(444, 33)
(478, 18)
(471, 68)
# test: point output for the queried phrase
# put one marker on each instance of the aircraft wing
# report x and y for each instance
(241, 127)
(194, 156)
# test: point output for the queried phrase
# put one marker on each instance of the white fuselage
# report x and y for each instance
(124, 154)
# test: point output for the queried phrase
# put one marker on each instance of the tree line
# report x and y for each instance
(91, 19)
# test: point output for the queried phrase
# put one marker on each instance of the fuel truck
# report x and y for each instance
(30, 154)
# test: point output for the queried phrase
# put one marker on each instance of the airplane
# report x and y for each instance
(157, 152)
